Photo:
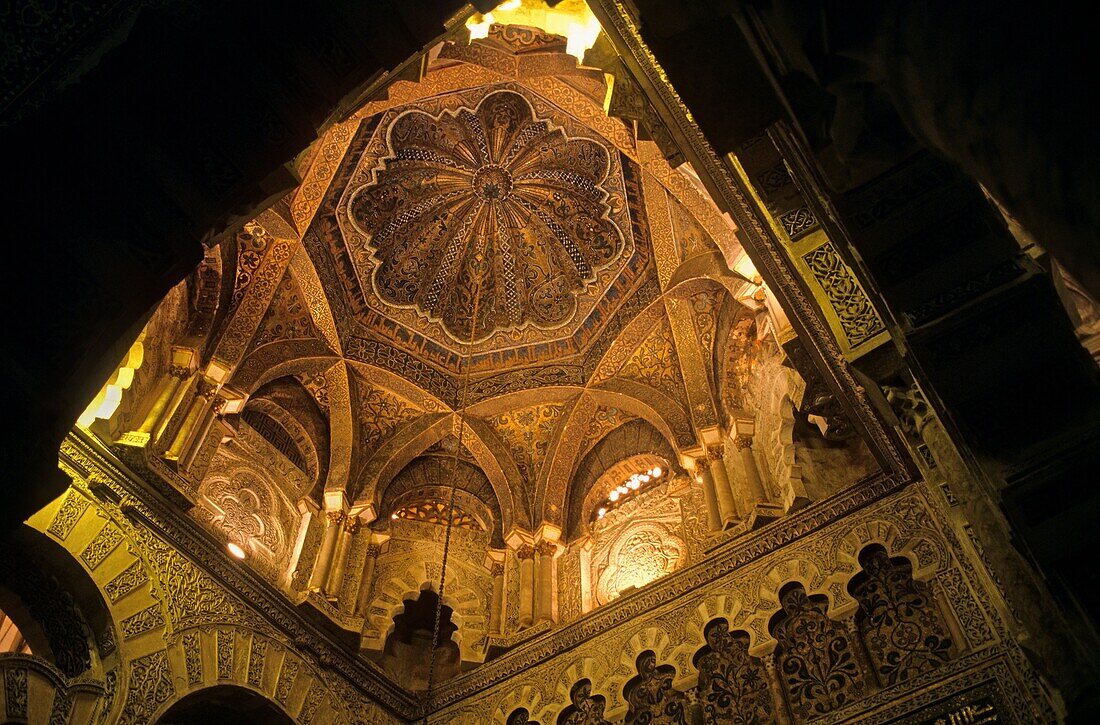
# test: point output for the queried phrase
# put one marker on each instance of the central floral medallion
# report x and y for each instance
(489, 218)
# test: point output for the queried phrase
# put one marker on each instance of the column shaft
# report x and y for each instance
(727, 509)
(722, 485)
(526, 556)
(328, 546)
(754, 486)
(544, 588)
(179, 393)
(362, 600)
(714, 516)
(775, 686)
(340, 557)
(496, 606)
(167, 392)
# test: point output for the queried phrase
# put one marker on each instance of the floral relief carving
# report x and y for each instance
(126, 581)
(898, 620)
(150, 685)
(641, 555)
(655, 364)
(815, 656)
(527, 432)
(489, 203)
(733, 685)
(584, 708)
(650, 695)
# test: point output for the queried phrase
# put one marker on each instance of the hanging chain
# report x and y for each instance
(451, 502)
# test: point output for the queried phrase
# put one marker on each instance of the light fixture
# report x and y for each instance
(657, 472)
(614, 495)
(601, 512)
(393, 515)
(236, 550)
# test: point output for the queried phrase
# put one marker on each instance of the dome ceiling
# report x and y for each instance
(492, 198)
(489, 219)
(487, 214)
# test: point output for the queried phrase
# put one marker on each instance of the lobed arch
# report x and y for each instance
(926, 555)
(468, 608)
(56, 605)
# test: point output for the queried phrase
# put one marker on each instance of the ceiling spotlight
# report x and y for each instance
(644, 479)
(235, 550)
(614, 495)
(601, 512)
(393, 515)
(657, 472)
(634, 484)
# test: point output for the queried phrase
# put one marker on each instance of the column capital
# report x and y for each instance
(742, 442)
(716, 452)
(335, 518)
(352, 524)
(546, 548)
(497, 569)
(373, 550)
(182, 372)
(525, 551)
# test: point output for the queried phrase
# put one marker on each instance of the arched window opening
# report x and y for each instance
(49, 606)
(434, 511)
(633, 484)
(407, 652)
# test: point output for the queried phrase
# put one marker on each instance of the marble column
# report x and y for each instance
(526, 556)
(340, 556)
(362, 600)
(863, 657)
(544, 589)
(754, 486)
(180, 374)
(328, 547)
(727, 509)
(496, 606)
(714, 516)
(209, 416)
(165, 395)
(201, 398)
(716, 458)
